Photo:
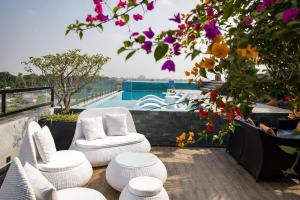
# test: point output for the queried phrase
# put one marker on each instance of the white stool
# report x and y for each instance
(128, 165)
(144, 188)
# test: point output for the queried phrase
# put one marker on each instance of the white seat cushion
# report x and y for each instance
(92, 128)
(111, 141)
(45, 144)
(16, 184)
(42, 188)
(80, 194)
(62, 161)
(145, 186)
(116, 124)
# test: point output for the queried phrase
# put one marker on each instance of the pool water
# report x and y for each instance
(124, 99)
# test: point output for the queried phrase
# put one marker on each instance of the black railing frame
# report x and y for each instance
(3, 93)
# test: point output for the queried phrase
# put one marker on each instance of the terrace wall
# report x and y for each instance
(12, 130)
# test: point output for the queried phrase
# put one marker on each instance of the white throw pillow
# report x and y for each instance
(42, 188)
(92, 128)
(45, 144)
(116, 124)
(16, 184)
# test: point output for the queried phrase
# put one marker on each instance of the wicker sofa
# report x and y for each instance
(259, 153)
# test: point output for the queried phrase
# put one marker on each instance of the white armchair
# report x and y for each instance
(67, 169)
(101, 151)
(29, 184)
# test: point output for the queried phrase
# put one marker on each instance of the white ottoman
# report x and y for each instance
(144, 188)
(128, 165)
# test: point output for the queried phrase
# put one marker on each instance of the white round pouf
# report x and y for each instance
(144, 188)
(128, 165)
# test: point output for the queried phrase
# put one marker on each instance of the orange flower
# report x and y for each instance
(187, 73)
(292, 116)
(220, 50)
(190, 80)
(249, 52)
(208, 63)
(209, 2)
(182, 136)
(219, 38)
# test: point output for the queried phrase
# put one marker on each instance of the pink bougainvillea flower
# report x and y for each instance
(211, 30)
(150, 5)
(210, 12)
(268, 2)
(260, 7)
(290, 14)
(176, 49)
(197, 26)
(176, 18)
(89, 18)
(98, 9)
(122, 4)
(248, 20)
(135, 34)
(147, 46)
(137, 17)
(149, 33)
(181, 26)
(169, 39)
(168, 65)
(120, 22)
(102, 18)
(97, 1)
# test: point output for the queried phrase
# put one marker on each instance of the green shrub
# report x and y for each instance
(62, 117)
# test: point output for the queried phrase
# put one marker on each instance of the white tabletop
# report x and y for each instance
(134, 159)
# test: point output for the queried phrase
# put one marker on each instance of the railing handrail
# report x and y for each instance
(24, 89)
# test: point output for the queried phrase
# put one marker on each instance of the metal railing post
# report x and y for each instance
(3, 103)
(52, 97)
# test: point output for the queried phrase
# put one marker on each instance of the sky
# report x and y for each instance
(37, 27)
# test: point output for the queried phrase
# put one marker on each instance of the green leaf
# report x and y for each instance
(80, 34)
(100, 26)
(116, 9)
(127, 43)
(288, 149)
(125, 17)
(203, 72)
(67, 31)
(121, 50)
(130, 54)
(160, 51)
(141, 39)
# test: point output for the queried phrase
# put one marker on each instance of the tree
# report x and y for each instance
(67, 72)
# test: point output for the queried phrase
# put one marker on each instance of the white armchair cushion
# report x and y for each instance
(45, 144)
(42, 188)
(92, 128)
(79, 194)
(111, 141)
(16, 185)
(116, 124)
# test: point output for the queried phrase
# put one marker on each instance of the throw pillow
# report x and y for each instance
(92, 128)
(116, 124)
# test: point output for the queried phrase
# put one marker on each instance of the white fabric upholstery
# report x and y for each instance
(65, 177)
(80, 194)
(127, 195)
(92, 128)
(102, 156)
(145, 186)
(42, 188)
(63, 161)
(116, 124)
(118, 175)
(45, 144)
(111, 141)
(16, 185)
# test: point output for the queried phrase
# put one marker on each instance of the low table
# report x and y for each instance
(128, 165)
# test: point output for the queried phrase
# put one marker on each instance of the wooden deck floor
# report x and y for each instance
(206, 174)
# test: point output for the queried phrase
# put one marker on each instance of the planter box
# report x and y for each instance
(62, 132)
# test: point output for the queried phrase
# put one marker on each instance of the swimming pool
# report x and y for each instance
(124, 99)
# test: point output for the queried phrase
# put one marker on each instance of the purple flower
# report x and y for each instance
(149, 33)
(268, 2)
(97, 1)
(168, 65)
(102, 17)
(98, 9)
(169, 39)
(260, 7)
(176, 18)
(211, 30)
(197, 26)
(176, 49)
(89, 18)
(147, 46)
(210, 12)
(290, 14)
(248, 20)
